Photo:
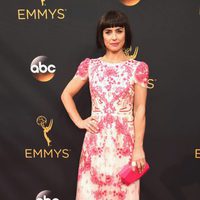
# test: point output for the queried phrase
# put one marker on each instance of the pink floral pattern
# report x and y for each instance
(106, 152)
(141, 74)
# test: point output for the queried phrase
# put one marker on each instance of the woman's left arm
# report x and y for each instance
(139, 125)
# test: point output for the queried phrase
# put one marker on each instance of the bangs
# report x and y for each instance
(113, 19)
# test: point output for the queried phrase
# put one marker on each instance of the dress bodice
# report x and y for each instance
(112, 84)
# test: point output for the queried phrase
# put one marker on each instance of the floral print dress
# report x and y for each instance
(105, 153)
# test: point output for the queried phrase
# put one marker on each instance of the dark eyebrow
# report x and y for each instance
(116, 28)
(107, 29)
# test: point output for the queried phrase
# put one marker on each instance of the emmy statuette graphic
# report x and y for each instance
(42, 121)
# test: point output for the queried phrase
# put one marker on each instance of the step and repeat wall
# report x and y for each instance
(42, 42)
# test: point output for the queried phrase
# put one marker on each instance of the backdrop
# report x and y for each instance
(43, 42)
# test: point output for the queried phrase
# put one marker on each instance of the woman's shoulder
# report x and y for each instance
(141, 71)
(86, 59)
(139, 64)
(143, 65)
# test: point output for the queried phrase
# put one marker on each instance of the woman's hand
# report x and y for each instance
(139, 158)
(90, 124)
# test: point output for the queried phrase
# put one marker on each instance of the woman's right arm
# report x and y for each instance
(72, 88)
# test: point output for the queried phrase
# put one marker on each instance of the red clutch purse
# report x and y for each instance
(129, 173)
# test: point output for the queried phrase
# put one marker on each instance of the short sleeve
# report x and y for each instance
(82, 69)
(142, 74)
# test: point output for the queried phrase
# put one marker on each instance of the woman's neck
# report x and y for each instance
(115, 57)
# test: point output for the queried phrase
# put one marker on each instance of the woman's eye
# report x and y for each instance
(119, 31)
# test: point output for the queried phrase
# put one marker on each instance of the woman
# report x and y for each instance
(115, 129)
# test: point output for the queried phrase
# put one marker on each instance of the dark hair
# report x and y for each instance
(113, 18)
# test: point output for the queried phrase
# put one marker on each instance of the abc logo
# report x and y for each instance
(41, 69)
(46, 198)
(46, 195)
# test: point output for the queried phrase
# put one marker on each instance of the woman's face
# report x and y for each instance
(114, 38)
